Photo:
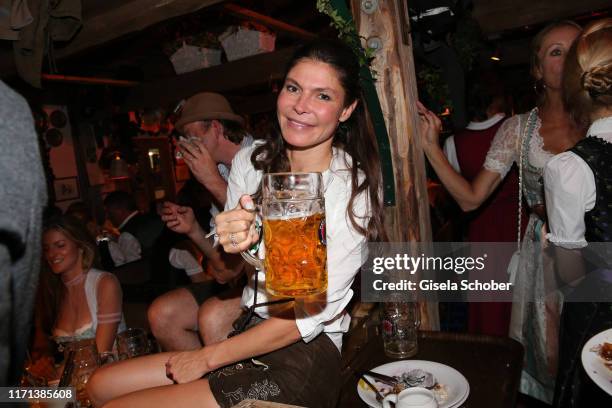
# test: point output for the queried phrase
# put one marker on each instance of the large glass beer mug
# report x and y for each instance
(85, 360)
(293, 215)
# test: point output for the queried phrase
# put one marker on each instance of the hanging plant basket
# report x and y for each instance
(239, 42)
(191, 58)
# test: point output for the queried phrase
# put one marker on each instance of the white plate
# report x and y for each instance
(593, 363)
(457, 387)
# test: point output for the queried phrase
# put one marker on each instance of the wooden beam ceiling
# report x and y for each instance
(130, 16)
(275, 24)
(102, 24)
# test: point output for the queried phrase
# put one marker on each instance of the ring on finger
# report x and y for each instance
(232, 238)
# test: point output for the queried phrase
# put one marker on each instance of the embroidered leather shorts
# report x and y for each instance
(304, 374)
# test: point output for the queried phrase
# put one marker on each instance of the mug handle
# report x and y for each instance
(250, 259)
(389, 398)
(250, 255)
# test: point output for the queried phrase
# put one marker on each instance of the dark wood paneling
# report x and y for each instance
(499, 15)
(258, 69)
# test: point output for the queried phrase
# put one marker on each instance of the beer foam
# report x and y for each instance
(293, 215)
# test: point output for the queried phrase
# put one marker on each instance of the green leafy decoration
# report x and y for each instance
(348, 34)
(431, 79)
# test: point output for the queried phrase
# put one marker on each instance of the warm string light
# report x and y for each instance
(496, 55)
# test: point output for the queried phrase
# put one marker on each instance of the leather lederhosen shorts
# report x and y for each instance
(304, 374)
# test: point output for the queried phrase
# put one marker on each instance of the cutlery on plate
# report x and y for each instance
(387, 379)
(379, 396)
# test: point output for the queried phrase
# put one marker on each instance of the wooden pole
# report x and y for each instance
(385, 23)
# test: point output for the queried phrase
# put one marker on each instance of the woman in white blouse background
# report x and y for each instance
(540, 134)
(578, 186)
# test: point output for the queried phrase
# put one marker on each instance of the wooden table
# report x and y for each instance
(492, 366)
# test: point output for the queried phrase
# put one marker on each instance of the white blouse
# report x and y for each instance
(345, 249)
(569, 186)
(183, 259)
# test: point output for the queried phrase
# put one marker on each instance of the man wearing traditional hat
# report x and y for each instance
(212, 135)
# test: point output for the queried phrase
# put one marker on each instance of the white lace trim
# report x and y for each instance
(538, 156)
(504, 148)
(496, 166)
(565, 242)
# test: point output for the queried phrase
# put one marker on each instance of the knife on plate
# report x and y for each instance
(387, 379)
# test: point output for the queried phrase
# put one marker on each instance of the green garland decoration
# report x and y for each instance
(435, 86)
(341, 20)
(467, 42)
(348, 34)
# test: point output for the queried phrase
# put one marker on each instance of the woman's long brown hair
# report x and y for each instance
(355, 136)
(51, 289)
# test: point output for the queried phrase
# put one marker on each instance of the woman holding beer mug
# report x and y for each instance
(289, 352)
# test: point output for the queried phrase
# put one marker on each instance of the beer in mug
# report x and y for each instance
(296, 256)
(293, 212)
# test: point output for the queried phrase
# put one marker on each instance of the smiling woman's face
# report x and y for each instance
(551, 56)
(61, 253)
(311, 105)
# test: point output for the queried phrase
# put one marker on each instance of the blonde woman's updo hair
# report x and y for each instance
(587, 81)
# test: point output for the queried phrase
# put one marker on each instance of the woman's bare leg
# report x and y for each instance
(193, 394)
(127, 376)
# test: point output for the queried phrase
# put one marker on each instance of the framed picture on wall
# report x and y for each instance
(66, 188)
